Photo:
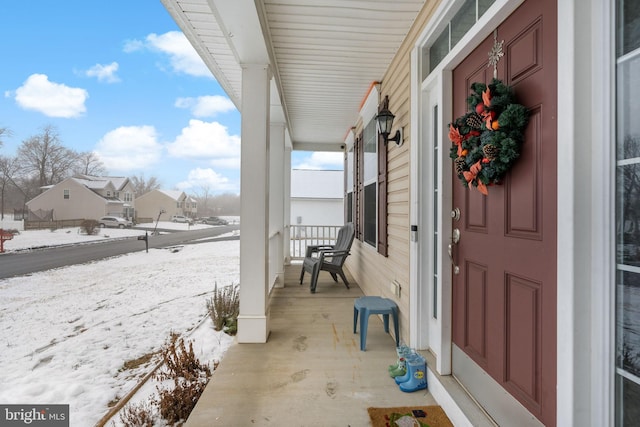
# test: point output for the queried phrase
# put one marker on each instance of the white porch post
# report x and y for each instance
(276, 200)
(287, 202)
(253, 320)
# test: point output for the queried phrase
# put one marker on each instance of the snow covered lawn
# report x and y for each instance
(66, 334)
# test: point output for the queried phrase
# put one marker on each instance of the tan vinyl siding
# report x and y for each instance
(81, 204)
(149, 205)
(372, 271)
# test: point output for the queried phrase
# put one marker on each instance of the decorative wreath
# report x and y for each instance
(486, 140)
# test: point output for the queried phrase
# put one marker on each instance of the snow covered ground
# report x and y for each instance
(65, 334)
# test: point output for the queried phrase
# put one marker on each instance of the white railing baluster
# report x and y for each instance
(305, 235)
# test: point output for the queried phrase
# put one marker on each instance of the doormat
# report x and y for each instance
(409, 416)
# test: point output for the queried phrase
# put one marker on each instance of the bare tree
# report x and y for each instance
(141, 185)
(89, 163)
(202, 197)
(225, 204)
(44, 156)
(28, 186)
(4, 131)
(8, 169)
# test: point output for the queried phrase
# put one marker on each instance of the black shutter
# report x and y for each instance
(382, 196)
(359, 184)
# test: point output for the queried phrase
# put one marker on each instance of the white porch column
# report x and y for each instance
(276, 201)
(253, 320)
(287, 203)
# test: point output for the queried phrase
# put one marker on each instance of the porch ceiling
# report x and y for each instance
(324, 54)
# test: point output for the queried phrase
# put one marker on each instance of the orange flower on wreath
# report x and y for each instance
(456, 138)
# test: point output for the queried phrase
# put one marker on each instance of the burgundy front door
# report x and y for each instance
(504, 296)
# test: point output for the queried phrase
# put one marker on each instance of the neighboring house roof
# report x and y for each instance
(64, 184)
(100, 182)
(119, 181)
(174, 194)
(317, 184)
(93, 183)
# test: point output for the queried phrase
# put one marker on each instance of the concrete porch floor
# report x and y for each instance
(311, 371)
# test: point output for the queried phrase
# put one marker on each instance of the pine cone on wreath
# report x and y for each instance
(474, 121)
(459, 164)
(490, 151)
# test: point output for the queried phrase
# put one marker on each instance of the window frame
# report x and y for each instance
(371, 106)
(370, 183)
(349, 180)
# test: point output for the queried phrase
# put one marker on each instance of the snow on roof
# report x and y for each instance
(92, 184)
(118, 181)
(174, 194)
(100, 182)
(317, 184)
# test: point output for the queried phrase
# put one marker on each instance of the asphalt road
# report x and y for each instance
(21, 263)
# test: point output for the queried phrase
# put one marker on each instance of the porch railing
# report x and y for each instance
(305, 235)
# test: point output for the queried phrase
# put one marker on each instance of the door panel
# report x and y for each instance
(476, 315)
(522, 366)
(504, 298)
(524, 201)
(476, 207)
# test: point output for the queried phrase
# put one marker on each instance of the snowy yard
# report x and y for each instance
(65, 334)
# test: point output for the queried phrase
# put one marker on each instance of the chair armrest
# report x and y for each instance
(311, 249)
(329, 254)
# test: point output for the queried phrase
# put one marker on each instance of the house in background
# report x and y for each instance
(190, 207)
(165, 203)
(317, 197)
(86, 197)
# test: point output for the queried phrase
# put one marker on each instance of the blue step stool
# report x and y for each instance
(366, 306)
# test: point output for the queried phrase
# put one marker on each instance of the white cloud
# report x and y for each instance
(207, 141)
(51, 99)
(226, 163)
(331, 160)
(104, 73)
(206, 106)
(200, 178)
(182, 56)
(129, 148)
(133, 46)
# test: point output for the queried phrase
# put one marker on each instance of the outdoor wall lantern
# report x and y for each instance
(385, 122)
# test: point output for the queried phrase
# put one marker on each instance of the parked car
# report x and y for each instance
(214, 220)
(181, 218)
(114, 222)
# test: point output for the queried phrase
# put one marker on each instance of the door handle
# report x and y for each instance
(455, 238)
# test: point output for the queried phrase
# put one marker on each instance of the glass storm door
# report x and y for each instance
(627, 372)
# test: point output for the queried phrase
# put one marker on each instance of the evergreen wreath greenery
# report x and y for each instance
(487, 139)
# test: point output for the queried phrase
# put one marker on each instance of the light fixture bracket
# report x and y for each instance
(397, 138)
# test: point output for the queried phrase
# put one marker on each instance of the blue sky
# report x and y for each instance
(119, 78)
